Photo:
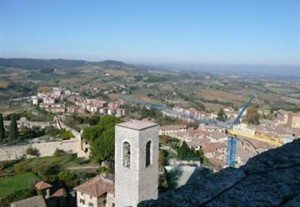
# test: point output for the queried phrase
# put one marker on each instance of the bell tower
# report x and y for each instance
(136, 162)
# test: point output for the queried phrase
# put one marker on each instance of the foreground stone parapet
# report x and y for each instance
(269, 179)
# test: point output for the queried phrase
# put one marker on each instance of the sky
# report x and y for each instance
(172, 32)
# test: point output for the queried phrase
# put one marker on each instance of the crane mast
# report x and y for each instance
(231, 149)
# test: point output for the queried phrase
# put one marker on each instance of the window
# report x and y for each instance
(91, 204)
(126, 154)
(148, 153)
(82, 201)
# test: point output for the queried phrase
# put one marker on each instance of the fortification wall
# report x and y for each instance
(45, 149)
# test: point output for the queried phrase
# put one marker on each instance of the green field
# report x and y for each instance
(11, 184)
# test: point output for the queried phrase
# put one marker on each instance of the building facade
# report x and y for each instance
(294, 120)
(96, 192)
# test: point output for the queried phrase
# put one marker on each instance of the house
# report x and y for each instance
(48, 196)
(171, 129)
(35, 100)
(294, 120)
(97, 192)
(36, 201)
(58, 199)
(43, 188)
(283, 116)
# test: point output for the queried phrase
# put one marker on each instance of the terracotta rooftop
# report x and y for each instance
(211, 147)
(36, 201)
(97, 186)
(137, 124)
(59, 193)
(42, 185)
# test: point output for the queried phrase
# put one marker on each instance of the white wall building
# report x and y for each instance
(96, 192)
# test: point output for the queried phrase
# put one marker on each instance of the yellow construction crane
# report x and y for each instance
(273, 140)
(234, 130)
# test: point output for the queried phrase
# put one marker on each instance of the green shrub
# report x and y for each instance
(48, 172)
(67, 177)
(65, 134)
(21, 167)
(16, 196)
(59, 153)
(33, 151)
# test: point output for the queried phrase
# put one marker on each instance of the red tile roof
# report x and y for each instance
(59, 193)
(36, 201)
(42, 185)
(97, 186)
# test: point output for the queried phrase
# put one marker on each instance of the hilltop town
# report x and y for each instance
(62, 129)
(149, 103)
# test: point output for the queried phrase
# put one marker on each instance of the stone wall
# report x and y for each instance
(268, 179)
(45, 149)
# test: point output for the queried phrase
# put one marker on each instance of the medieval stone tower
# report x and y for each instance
(136, 162)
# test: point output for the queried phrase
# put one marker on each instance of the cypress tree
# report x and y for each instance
(222, 115)
(13, 129)
(2, 130)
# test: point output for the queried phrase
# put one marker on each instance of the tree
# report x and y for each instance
(2, 129)
(33, 151)
(252, 116)
(183, 151)
(59, 153)
(162, 161)
(221, 115)
(65, 134)
(164, 139)
(67, 177)
(13, 129)
(102, 139)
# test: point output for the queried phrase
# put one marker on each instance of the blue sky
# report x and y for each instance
(187, 32)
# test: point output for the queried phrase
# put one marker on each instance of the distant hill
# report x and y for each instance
(46, 64)
(112, 63)
(32, 64)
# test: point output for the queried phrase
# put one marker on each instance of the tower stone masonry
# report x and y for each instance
(136, 162)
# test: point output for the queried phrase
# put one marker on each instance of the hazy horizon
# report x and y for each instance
(160, 32)
(228, 69)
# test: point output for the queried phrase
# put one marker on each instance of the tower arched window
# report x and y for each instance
(148, 153)
(126, 154)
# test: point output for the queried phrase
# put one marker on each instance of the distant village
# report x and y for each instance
(209, 135)
(61, 100)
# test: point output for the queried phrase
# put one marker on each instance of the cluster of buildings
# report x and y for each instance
(212, 140)
(61, 100)
(48, 196)
(96, 192)
(192, 114)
